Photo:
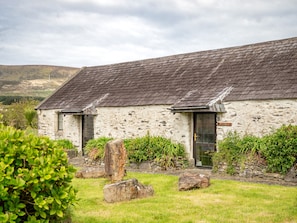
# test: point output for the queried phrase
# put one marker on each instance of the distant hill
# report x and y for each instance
(33, 80)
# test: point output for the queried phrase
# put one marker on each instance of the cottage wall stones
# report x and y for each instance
(129, 122)
(254, 117)
(121, 122)
(257, 117)
(48, 126)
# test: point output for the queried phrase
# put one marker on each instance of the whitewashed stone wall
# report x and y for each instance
(247, 117)
(47, 123)
(257, 117)
(130, 122)
(48, 126)
(72, 130)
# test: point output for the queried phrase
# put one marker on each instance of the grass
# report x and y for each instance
(224, 201)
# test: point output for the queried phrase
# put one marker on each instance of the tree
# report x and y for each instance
(20, 115)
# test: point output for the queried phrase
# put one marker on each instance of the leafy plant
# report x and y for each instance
(147, 148)
(30, 114)
(21, 114)
(154, 148)
(95, 147)
(35, 178)
(65, 144)
(250, 144)
(235, 149)
(281, 149)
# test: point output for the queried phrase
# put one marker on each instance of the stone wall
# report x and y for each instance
(71, 130)
(130, 122)
(48, 126)
(47, 123)
(254, 169)
(257, 117)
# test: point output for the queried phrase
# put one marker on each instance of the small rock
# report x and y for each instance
(126, 190)
(190, 181)
(90, 173)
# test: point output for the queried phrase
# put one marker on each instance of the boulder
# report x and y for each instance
(115, 160)
(190, 181)
(90, 173)
(126, 190)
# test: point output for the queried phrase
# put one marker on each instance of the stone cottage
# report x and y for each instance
(193, 98)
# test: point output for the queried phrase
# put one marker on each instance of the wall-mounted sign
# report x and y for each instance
(224, 124)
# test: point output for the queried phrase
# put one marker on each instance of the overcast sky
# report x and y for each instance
(94, 32)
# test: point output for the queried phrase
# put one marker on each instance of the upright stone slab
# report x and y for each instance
(115, 160)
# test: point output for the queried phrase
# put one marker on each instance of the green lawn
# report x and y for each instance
(224, 201)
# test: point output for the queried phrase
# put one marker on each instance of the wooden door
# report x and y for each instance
(204, 138)
(87, 129)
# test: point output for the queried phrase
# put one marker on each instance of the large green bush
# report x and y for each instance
(153, 148)
(281, 149)
(234, 149)
(35, 178)
(278, 149)
(146, 148)
(65, 144)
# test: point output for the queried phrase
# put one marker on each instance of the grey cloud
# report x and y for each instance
(90, 32)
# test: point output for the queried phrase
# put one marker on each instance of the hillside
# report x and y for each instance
(33, 80)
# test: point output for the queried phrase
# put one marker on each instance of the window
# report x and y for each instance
(60, 121)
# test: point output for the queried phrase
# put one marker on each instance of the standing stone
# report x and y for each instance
(190, 181)
(115, 160)
(126, 190)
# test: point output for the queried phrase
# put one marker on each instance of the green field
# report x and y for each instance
(224, 201)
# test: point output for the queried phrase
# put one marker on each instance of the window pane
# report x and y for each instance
(60, 121)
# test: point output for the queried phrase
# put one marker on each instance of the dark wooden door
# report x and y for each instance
(87, 129)
(204, 138)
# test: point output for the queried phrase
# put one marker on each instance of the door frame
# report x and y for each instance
(195, 149)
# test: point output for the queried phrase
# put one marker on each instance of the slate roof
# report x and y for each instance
(259, 71)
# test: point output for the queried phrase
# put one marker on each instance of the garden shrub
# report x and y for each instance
(154, 148)
(229, 151)
(35, 178)
(65, 144)
(20, 114)
(95, 147)
(146, 148)
(278, 149)
(235, 149)
(281, 149)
